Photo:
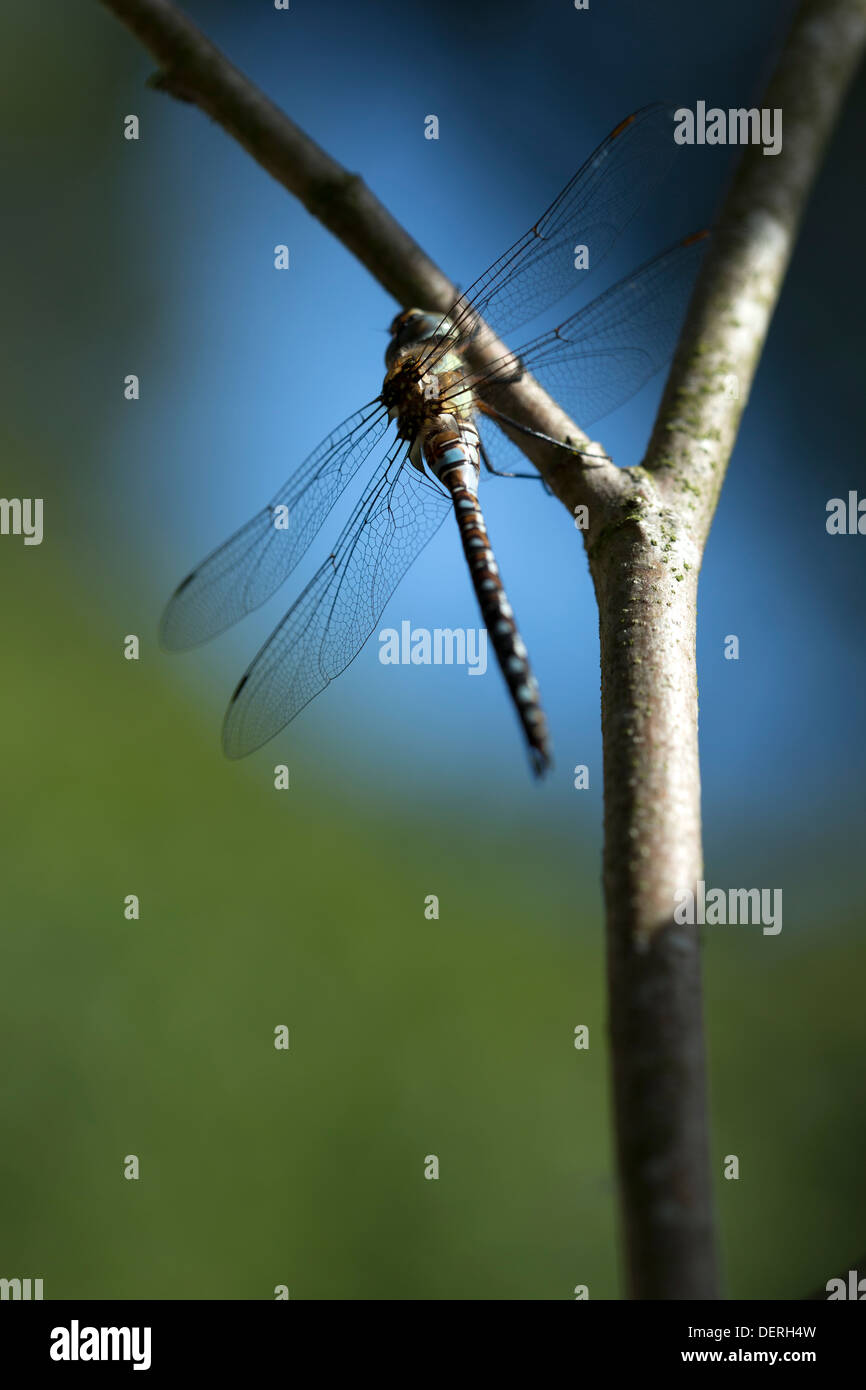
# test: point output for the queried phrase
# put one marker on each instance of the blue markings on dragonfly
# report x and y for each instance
(430, 465)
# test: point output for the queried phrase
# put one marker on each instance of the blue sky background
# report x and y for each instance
(250, 368)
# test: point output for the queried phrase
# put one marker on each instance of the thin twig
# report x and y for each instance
(195, 71)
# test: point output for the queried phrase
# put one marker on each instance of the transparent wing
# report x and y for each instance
(591, 210)
(330, 622)
(252, 563)
(597, 359)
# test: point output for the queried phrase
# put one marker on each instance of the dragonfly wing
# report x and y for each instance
(590, 211)
(596, 360)
(252, 563)
(325, 629)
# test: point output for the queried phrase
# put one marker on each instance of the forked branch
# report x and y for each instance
(648, 528)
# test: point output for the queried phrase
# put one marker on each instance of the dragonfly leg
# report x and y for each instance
(567, 444)
(500, 472)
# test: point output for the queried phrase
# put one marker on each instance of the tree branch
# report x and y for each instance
(724, 333)
(645, 567)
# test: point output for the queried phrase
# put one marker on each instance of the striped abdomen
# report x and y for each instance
(452, 454)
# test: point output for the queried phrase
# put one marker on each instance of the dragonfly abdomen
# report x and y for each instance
(452, 454)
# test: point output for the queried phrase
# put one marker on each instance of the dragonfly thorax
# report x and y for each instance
(425, 382)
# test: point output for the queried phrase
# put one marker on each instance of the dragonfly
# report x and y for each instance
(422, 434)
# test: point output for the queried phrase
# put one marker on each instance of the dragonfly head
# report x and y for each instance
(416, 326)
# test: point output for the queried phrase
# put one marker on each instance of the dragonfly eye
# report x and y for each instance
(404, 320)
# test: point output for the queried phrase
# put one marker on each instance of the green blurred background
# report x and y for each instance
(408, 1037)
